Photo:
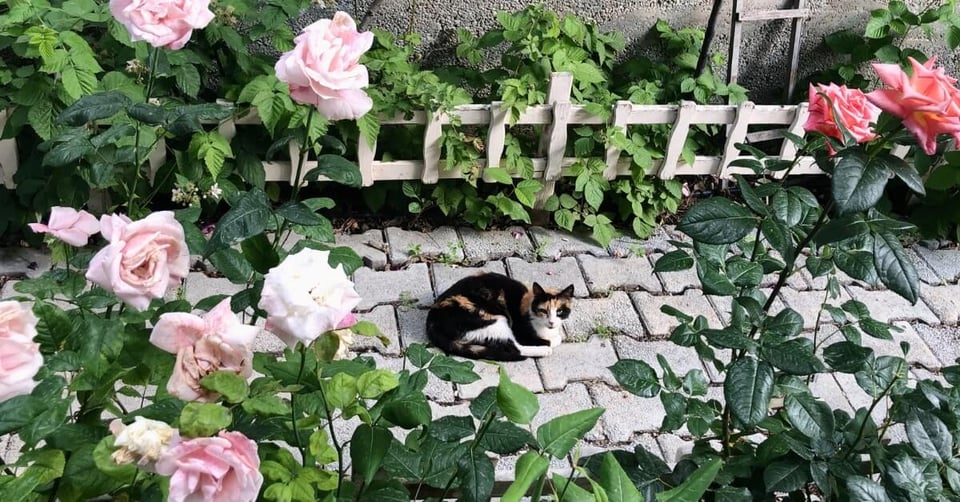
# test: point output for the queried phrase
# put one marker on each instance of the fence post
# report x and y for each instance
(431, 148)
(678, 136)
(554, 139)
(497, 134)
(737, 133)
(8, 156)
(621, 113)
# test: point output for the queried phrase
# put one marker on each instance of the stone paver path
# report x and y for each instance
(617, 316)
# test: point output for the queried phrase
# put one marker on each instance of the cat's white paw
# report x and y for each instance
(556, 341)
(538, 351)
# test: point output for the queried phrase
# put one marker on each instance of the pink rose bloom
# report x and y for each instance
(20, 357)
(853, 110)
(69, 225)
(204, 345)
(305, 297)
(323, 69)
(225, 468)
(144, 257)
(927, 101)
(162, 23)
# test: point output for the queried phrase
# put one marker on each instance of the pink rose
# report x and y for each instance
(69, 225)
(927, 101)
(144, 257)
(323, 69)
(20, 357)
(215, 469)
(162, 23)
(204, 345)
(305, 297)
(852, 110)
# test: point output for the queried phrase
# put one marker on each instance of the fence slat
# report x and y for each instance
(788, 151)
(559, 92)
(431, 148)
(677, 138)
(621, 113)
(365, 153)
(736, 134)
(497, 134)
(554, 138)
(8, 156)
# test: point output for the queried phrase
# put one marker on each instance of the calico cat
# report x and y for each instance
(491, 316)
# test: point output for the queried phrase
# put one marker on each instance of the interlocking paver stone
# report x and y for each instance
(825, 387)
(808, 303)
(926, 274)
(945, 262)
(16, 261)
(412, 324)
(674, 448)
(605, 274)
(523, 372)
(574, 397)
(944, 341)
(385, 318)
(691, 302)
(392, 286)
(571, 362)
(677, 282)
(369, 245)
(944, 301)
(886, 306)
(625, 246)
(505, 468)
(860, 399)
(557, 275)
(800, 280)
(627, 414)
(199, 286)
(919, 353)
(405, 244)
(480, 246)
(603, 316)
(7, 291)
(680, 359)
(552, 244)
(445, 276)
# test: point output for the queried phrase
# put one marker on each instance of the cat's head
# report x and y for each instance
(549, 308)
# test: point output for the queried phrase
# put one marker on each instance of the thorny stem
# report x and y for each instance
(333, 439)
(293, 408)
(304, 151)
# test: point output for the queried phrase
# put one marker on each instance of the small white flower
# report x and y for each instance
(142, 441)
(215, 192)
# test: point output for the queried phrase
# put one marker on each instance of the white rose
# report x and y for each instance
(142, 441)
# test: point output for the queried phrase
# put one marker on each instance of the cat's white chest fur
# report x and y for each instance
(500, 330)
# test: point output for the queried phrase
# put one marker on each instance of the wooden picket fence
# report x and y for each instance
(556, 116)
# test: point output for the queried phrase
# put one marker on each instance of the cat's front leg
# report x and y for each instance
(534, 351)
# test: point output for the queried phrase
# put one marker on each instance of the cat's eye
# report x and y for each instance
(564, 312)
(541, 311)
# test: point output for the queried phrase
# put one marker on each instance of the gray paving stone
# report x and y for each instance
(18, 261)
(677, 282)
(480, 246)
(944, 301)
(198, 286)
(723, 304)
(405, 245)
(385, 318)
(445, 276)
(393, 286)
(604, 317)
(825, 387)
(674, 448)
(919, 353)
(505, 468)
(572, 362)
(574, 398)
(557, 275)
(449, 410)
(648, 442)
(860, 399)
(808, 304)
(10, 449)
(625, 246)
(7, 290)
(886, 306)
(627, 414)
(605, 274)
(524, 373)
(681, 359)
(692, 303)
(926, 274)
(412, 324)
(436, 390)
(552, 244)
(799, 280)
(267, 342)
(943, 341)
(944, 262)
(369, 245)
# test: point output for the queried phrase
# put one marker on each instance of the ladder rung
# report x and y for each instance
(764, 15)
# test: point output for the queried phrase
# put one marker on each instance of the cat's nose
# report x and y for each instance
(550, 325)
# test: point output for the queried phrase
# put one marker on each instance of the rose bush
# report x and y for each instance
(162, 23)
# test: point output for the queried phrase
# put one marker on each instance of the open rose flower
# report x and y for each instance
(162, 23)
(323, 68)
(69, 225)
(927, 101)
(20, 357)
(144, 257)
(853, 111)
(204, 345)
(143, 441)
(224, 468)
(305, 297)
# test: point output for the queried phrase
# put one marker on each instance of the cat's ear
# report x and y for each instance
(538, 290)
(567, 292)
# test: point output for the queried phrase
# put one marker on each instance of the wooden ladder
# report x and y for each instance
(796, 14)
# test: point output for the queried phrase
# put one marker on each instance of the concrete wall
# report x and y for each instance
(763, 67)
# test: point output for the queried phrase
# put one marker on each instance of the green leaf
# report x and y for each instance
(504, 438)
(451, 428)
(518, 404)
(693, 488)
(204, 419)
(230, 385)
(559, 435)
(614, 480)
(812, 417)
(788, 323)
(452, 370)
(368, 448)
(498, 175)
(894, 268)
(748, 388)
(101, 343)
(929, 436)
(476, 475)
(861, 489)
(232, 264)
(336, 168)
(673, 261)
(786, 474)
(907, 173)
(97, 106)
(259, 252)
(408, 411)
(46, 466)
(248, 217)
(794, 356)
(373, 384)
(526, 192)
(743, 272)
(530, 466)
(321, 449)
(636, 377)
(881, 373)
(846, 357)
(571, 492)
(717, 221)
(340, 390)
(213, 149)
(858, 182)
(187, 78)
(299, 213)
(787, 208)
